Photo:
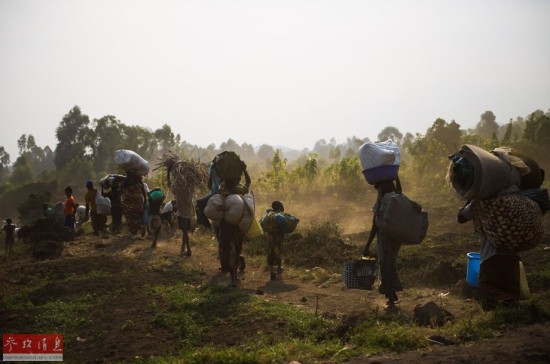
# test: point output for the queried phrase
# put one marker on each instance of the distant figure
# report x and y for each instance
(156, 197)
(167, 216)
(116, 209)
(69, 210)
(9, 228)
(132, 201)
(98, 221)
(275, 245)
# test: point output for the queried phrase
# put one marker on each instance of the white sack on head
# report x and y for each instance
(379, 154)
(130, 160)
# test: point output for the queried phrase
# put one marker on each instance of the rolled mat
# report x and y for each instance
(491, 173)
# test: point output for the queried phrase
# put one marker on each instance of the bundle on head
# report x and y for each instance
(183, 173)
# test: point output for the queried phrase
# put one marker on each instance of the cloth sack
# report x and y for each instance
(130, 160)
(103, 204)
(278, 222)
(379, 154)
(402, 219)
(512, 222)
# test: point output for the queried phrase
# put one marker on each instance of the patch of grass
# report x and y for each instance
(299, 324)
(66, 316)
(379, 333)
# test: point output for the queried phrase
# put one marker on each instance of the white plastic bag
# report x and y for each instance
(102, 204)
(130, 160)
(379, 154)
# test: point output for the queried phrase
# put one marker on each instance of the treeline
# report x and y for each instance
(86, 147)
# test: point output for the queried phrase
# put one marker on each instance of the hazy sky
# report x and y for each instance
(278, 72)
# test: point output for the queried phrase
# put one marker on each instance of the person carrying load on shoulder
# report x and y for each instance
(503, 198)
(387, 248)
(396, 219)
(185, 176)
(276, 223)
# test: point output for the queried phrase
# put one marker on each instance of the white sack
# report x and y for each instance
(130, 160)
(379, 154)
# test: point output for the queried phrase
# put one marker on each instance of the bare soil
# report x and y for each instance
(102, 340)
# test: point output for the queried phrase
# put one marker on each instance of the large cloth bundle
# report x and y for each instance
(278, 222)
(111, 180)
(512, 222)
(380, 161)
(477, 174)
(234, 209)
(131, 161)
(402, 219)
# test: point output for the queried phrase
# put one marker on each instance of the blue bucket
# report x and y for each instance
(472, 269)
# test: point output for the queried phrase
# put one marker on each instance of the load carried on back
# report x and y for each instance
(278, 222)
(130, 161)
(502, 189)
(231, 201)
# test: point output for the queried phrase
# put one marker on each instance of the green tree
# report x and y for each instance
(166, 138)
(390, 132)
(508, 134)
(31, 209)
(22, 172)
(108, 137)
(74, 138)
(140, 140)
(448, 134)
(38, 159)
(487, 125)
(275, 179)
(4, 162)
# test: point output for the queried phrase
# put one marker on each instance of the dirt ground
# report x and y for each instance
(103, 341)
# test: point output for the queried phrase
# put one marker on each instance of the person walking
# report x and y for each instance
(9, 229)
(98, 221)
(69, 210)
(132, 201)
(116, 210)
(387, 248)
(156, 198)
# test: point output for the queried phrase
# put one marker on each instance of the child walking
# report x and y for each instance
(277, 223)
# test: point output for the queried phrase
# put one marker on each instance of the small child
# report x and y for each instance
(156, 197)
(275, 239)
(9, 228)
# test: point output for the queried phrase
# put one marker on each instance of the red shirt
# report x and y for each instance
(70, 206)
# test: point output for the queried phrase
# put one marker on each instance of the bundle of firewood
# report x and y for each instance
(183, 173)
